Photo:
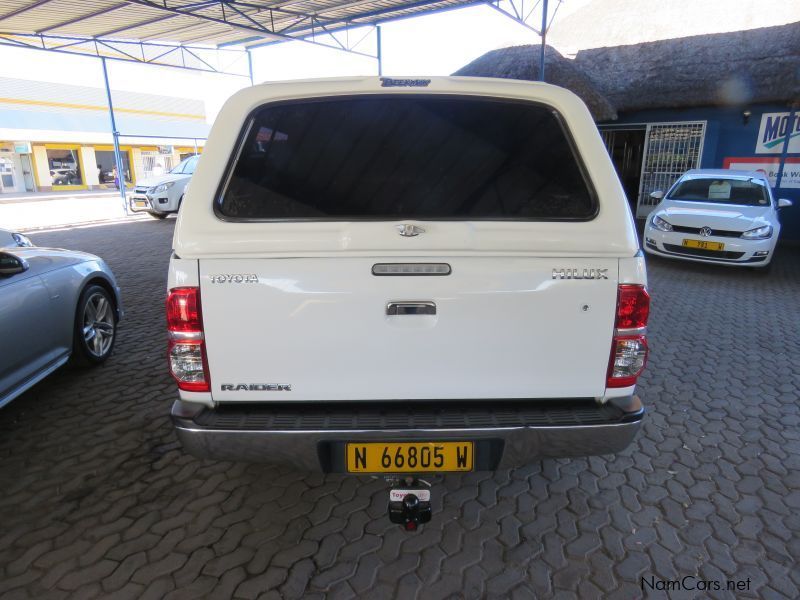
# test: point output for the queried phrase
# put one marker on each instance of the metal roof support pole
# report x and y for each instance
(379, 54)
(544, 39)
(250, 65)
(785, 151)
(115, 135)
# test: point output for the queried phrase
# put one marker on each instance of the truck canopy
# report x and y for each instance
(332, 167)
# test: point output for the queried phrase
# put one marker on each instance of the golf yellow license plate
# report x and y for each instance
(703, 245)
(416, 457)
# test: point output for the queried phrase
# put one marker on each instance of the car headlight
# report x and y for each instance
(161, 188)
(660, 223)
(22, 240)
(759, 233)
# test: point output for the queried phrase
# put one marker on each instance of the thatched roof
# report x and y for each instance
(757, 65)
(583, 24)
(522, 62)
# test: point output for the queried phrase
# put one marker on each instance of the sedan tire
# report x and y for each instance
(95, 326)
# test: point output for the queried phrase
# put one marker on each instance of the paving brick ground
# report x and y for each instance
(98, 500)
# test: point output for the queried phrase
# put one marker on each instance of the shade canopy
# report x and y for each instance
(190, 33)
(206, 35)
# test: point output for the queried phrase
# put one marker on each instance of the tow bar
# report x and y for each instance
(409, 502)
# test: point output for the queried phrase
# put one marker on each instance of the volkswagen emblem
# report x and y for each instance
(409, 230)
(705, 231)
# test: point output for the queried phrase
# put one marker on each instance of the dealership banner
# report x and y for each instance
(773, 131)
(769, 166)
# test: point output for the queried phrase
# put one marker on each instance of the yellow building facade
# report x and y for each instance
(57, 138)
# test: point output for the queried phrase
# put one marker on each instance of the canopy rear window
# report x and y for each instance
(407, 157)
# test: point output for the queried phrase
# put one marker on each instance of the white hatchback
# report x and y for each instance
(716, 216)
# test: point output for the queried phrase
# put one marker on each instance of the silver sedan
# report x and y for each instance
(54, 304)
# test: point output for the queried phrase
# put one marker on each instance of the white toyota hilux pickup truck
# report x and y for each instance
(405, 276)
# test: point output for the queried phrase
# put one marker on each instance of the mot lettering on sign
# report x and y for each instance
(773, 131)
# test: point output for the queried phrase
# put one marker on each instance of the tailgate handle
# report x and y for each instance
(410, 308)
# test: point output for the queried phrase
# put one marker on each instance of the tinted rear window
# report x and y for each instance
(407, 158)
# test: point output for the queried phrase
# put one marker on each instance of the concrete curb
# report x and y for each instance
(82, 224)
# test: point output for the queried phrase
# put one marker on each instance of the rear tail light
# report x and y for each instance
(187, 348)
(633, 307)
(183, 310)
(629, 345)
(628, 358)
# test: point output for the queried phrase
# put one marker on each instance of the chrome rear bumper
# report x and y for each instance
(313, 437)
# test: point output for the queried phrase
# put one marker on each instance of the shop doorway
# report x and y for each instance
(626, 147)
(27, 172)
(106, 166)
(651, 157)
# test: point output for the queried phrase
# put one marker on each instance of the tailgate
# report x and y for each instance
(319, 329)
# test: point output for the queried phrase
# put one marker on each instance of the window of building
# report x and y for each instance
(155, 164)
(106, 164)
(64, 164)
(670, 149)
(6, 173)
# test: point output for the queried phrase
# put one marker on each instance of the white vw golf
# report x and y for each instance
(717, 216)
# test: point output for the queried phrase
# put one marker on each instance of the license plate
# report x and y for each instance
(140, 203)
(416, 457)
(703, 245)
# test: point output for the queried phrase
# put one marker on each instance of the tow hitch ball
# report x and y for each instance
(410, 504)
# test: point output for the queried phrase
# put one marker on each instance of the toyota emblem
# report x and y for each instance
(409, 230)
(705, 231)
